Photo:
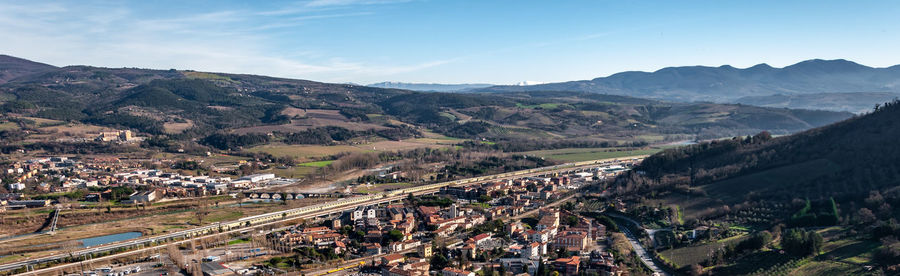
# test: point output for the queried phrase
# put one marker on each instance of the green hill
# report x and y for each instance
(189, 106)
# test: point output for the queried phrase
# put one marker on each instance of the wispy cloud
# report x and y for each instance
(67, 33)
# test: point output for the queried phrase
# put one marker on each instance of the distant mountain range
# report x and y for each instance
(189, 105)
(430, 87)
(727, 84)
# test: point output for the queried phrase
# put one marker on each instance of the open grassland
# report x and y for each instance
(695, 254)
(40, 122)
(304, 151)
(316, 164)
(402, 145)
(312, 151)
(585, 154)
(292, 172)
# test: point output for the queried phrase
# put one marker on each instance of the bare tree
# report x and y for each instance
(201, 212)
(70, 248)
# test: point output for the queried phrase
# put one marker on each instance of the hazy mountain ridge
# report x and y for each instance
(430, 87)
(728, 84)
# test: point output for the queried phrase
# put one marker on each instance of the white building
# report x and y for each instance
(258, 177)
(16, 186)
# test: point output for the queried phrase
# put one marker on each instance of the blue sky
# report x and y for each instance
(502, 42)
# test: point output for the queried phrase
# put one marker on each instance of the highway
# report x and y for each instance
(322, 209)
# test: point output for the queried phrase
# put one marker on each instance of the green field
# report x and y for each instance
(697, 253)
(304, 151)
(238, 241)
(317, 164)
(293, 172)
(585, 154)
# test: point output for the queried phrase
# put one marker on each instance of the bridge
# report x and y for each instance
(288, 196)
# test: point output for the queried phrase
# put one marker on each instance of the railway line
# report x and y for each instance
(312, 211)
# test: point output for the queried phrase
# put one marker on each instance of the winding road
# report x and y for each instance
(638, 247)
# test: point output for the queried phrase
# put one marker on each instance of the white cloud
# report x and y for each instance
(222, 41)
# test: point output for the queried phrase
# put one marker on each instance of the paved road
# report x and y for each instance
(642, 253)
(638, 247)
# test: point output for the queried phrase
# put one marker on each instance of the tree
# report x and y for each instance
(541, 270)
(201, 213)
(484, 198)
(439, 261)
(696, 270)
(865, 215)
(801, 242)
(756, 241)
(394, 235)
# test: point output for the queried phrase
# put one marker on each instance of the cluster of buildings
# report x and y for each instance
(400, 236)
(62, 174)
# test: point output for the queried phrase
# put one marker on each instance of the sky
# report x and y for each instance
(453, 41)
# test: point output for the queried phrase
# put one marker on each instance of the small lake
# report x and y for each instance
(109, 238)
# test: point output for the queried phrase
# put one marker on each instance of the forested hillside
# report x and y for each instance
(177, 108)
(851, 157)
(845, 176)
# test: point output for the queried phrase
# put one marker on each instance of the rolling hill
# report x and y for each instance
(190, 105)
(729, 84)
(13, 67)
(858, 102)
(848, 159)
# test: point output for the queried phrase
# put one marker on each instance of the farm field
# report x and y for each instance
(698, 253)
(845, 256)
(316, 164)
(311, 151)
(585, 154)
(292, 172)
(304, 151)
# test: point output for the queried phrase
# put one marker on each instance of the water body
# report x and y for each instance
(109, 238)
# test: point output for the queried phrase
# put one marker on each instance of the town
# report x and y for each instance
(517, 225)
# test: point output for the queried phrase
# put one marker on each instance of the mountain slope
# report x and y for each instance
(849, 158)
(185, 105)
(858, 102)
(727, 84)
(13, 67)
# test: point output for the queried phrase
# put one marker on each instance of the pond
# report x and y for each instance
(109, 238)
